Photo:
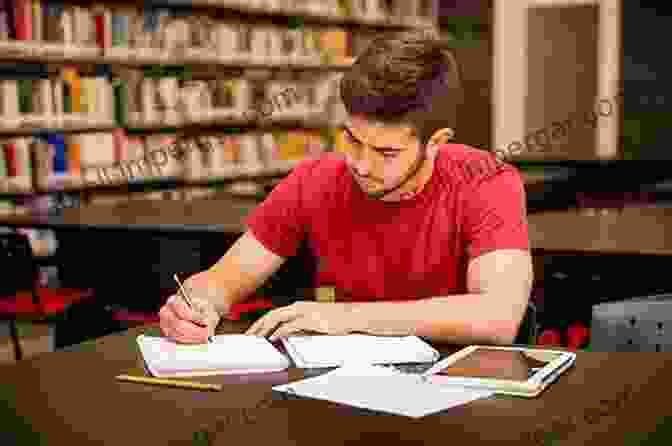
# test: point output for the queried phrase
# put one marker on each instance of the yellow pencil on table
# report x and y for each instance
(170, 382)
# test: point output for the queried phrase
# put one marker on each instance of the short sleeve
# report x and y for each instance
(279, 222)
(495, 214)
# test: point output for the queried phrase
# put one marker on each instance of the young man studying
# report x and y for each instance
(412, 241)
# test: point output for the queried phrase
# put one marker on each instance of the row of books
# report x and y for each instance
(31, 96)
(59, 161)
(160, 97)
(126, 33)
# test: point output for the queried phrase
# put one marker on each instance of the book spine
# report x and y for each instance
(134, 81)
(24, 161)
(65, 27)
(78, 27)
(38, 27)
(148, 91)
(60, 156)
(25, 90)
(42, 97)
(89, 91)
(10, 99)
(7, 28)
(3, 165)
(121, 102)
(58, 100)
(52, 21)
(10, 156)
(120, 29)
(74, 153)
(105, 107)
(107, 28)
(67, 96)
(23, 19)
(72, 80)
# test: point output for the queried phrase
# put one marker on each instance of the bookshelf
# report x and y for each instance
(84, 86)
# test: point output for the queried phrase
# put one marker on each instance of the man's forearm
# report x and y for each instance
(218, 289)
(460, 319)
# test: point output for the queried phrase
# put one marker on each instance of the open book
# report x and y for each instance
(226, 354)
(335, 351)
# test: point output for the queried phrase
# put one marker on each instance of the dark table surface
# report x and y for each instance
(72, 397)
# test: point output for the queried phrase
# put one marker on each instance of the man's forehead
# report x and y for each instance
(377, 133)
(365, 121)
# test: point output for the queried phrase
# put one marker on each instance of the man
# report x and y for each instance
(411, 243)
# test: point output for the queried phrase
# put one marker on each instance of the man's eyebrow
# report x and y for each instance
(349, 132)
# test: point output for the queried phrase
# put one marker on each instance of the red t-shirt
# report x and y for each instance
(371, 250)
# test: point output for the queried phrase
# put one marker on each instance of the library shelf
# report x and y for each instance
(40, 52)
(296, 16)
(234, 175)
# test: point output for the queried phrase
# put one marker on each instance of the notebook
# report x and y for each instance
(382, 389)
(335, 351)
(226, 354)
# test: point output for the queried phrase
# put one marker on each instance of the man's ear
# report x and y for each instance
(440, 137)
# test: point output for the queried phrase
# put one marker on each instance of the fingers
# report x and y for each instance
(174, 326)
(180, 308)
(266, 324)
(295, 326)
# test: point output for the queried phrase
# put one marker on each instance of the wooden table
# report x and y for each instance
(71, 397)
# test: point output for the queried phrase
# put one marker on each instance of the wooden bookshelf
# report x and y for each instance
(91, 57)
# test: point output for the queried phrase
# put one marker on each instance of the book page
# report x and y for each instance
(337, 350)
(226, 352)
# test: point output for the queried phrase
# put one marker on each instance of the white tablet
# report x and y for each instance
(509, 370)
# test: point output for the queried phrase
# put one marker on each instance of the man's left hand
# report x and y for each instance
(321, 317)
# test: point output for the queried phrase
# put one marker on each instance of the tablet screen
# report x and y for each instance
(499, 364)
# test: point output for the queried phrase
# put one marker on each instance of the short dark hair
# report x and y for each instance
(392, 71)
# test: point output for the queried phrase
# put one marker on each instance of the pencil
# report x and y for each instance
(182, 292)
(170, 382)
(186, 298)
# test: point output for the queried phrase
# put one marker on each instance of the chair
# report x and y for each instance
(21, 299)
(527, 332)
(636, 325)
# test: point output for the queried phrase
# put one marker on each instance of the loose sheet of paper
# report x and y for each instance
(382, 389)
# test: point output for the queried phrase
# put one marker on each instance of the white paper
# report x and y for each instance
(334, 351)
(226, 354)
(382, 389)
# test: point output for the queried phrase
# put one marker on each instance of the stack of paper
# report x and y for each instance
(226, 354)
(335, 351)
(382, 389)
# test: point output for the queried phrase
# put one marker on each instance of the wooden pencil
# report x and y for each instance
(170, 382)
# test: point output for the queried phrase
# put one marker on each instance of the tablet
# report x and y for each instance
(508, 370)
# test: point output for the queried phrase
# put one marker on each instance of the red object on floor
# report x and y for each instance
(578, 335)
(52, 301)
(551, 337)
(249, 306)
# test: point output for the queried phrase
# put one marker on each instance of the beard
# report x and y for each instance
(378, 195)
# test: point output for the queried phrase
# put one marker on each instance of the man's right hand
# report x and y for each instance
(187, 325)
